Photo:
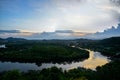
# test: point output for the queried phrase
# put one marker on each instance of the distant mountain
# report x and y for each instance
(111, 32)
(111, 40)
(1, 39)
(11, 39)
(14, 39)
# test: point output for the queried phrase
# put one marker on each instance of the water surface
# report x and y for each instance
(95, 59)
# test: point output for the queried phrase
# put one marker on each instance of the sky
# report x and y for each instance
(50, 15)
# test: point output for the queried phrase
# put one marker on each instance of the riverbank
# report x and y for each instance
(109, 71)
(95, 59)
(109, 47)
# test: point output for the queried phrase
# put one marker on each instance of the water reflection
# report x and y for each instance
(95, 59)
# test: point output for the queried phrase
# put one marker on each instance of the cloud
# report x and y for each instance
(115, 2)
(14, 33)
(115, 9)
(110, 32)
(85, 15)
(61, 34)
(9, 31)
(76, 15)
(58, 34)
(116, 14)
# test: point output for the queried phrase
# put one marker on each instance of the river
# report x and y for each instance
(95, 59)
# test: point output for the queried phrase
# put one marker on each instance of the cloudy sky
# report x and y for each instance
(51, 15)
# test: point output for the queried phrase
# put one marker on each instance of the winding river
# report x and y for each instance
(95, 59)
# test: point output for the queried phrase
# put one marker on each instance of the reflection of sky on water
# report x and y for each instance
(95, 59)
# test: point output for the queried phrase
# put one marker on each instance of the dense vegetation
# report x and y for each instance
(109, 47)
(41, 52)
